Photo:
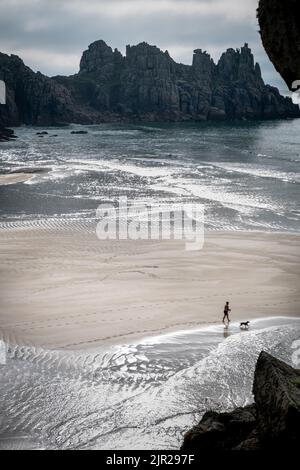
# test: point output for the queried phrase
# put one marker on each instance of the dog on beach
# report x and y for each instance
(244, 325)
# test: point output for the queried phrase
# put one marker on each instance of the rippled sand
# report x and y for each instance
(63, 288)
(144, 395)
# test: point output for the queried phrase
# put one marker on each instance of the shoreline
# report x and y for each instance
(152, 379)
(171, 332)
(58, 288)
(212, 332)
(152, 335)
(82, 223)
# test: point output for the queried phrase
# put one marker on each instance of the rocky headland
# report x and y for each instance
(144, 85)
(271, 423)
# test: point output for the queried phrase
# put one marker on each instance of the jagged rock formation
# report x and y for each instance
(280, 32)
(273, 422)
(32, 98)
(146, 84)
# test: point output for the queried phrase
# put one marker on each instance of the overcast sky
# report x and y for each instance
(50, 35)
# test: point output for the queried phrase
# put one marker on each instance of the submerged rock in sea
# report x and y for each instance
(273, 420)
(6, 134)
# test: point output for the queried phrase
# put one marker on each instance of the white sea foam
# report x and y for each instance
(214, 192)
(247, 180)
(260, 172)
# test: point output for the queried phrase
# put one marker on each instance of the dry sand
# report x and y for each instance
(66, 289)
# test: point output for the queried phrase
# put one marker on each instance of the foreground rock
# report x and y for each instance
(277, 397)
(145, 85)
(280, 32)
(272, 422)
(224, 431)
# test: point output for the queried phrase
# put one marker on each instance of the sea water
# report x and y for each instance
(142, 395)
(145, 395)
(246, 175)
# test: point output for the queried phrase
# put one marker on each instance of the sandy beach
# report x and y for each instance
(63, 288)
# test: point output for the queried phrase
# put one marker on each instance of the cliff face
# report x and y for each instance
(33, 98)
(272, 422)
(146, 84)
(280, 32)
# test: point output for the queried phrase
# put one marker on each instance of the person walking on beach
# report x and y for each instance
(227, 309)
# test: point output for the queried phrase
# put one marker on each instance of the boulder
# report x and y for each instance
(277, 396)
(272, 422)
(6, 134)
(222, 431)
(280, 34)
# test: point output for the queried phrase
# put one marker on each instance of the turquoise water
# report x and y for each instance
(245, 174)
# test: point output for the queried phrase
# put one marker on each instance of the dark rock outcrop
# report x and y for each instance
(146, 84)
(280, 32)
(223, 431)
(277, 397)
(272, 422)
(32, 98)
(6, 134)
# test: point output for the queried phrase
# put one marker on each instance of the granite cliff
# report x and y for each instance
(146, 84)
(33, 98)
(271, 423)
(280, 32)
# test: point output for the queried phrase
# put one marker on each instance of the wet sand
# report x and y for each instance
(63, 288)
(14, 178)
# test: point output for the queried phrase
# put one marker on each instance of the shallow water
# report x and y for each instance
(136, 396)
(245, 174)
